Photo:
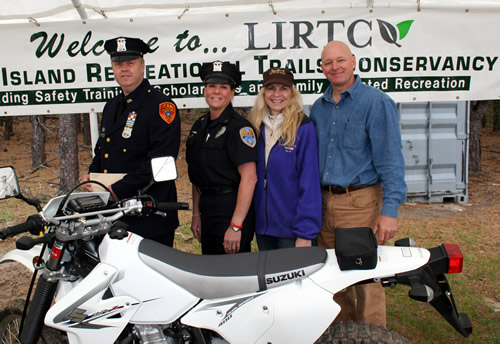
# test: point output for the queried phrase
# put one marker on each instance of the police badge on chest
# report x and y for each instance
(129, 125)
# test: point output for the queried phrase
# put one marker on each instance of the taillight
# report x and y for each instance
(455, 258)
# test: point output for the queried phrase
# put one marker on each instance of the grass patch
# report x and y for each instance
(185, 241)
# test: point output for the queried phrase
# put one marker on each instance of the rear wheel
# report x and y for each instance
(359, 333)
(10, 322)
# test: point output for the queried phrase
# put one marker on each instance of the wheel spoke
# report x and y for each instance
(11, 332)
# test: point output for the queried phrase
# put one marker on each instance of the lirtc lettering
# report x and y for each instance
(306, 34)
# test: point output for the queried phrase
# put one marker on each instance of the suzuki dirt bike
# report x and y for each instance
(99, 283)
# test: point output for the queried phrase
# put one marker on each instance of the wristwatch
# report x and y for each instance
(235, 227)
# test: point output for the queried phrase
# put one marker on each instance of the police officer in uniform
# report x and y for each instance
(139, 124)
(221, 155)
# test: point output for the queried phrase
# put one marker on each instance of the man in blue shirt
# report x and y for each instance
(361, 168)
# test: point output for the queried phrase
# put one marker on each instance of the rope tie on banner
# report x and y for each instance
(183, 12)
(34, 21)
(101, 12)
(418, 6)
(272, 7)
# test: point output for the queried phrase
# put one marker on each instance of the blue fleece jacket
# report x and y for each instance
(287, 196)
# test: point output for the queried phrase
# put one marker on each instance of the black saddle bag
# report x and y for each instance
(356, 248)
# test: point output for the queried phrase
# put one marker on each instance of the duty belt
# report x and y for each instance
(337, 190)
(216, 190)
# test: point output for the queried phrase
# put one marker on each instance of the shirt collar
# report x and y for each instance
(132, 95)
(272, 122)
(224, 117)
(351, 91)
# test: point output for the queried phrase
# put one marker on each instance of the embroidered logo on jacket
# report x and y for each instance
(167, 112)
(247, 135)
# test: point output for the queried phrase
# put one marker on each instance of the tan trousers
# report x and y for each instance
(359, 208)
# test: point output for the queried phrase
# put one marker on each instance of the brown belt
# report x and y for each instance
(337, 190)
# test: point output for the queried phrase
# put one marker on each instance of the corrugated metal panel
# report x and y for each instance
(435, 147)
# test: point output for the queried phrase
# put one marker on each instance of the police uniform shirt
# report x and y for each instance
(214, 149)
(148, 127)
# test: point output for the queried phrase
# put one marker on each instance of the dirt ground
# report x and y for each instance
(482, 209)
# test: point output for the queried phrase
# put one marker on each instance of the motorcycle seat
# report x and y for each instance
(218, 276)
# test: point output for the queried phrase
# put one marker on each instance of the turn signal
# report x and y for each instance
(455, 258)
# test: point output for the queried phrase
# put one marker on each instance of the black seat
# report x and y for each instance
(216, 276)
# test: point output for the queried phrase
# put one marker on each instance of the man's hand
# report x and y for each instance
(385, 228)
(88, 186)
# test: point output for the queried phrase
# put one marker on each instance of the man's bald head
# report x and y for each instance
(338, 64)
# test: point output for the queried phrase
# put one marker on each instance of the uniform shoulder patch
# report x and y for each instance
(247, 135)
(167, 112)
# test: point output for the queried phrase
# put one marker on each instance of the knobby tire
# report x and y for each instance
(10, 321)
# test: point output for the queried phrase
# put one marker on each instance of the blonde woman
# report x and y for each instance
(287, 196)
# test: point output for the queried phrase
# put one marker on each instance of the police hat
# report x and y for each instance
(126, 48)
(219, 72)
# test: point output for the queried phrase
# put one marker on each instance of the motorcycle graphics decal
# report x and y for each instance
(237, 303)
(286, 277)
(78, 318)
(81, 320)
(234, 308)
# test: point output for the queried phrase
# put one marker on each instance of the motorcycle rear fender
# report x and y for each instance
(294, 313)
(438, 290)
(22, 256)
(391, 260)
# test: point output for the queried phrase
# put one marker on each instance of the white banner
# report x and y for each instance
(431, 55)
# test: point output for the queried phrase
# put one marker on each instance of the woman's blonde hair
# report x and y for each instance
(293, 114)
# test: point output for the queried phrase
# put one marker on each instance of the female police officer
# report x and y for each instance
(221, 155)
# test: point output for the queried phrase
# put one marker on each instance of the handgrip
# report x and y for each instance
(33, 225)
(166, 206)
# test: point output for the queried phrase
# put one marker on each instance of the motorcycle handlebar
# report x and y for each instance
(33, 225)
(165, 206)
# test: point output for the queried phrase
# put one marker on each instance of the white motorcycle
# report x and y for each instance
(102, 284)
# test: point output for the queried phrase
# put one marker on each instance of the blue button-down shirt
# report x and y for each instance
(360, 142)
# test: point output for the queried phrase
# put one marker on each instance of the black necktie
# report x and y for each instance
(122, 103)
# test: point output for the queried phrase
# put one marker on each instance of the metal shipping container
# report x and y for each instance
(435, 147)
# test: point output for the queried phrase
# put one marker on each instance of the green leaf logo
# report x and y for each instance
(404, 28)
(388, 32)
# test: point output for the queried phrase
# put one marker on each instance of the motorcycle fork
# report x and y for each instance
(42, 298)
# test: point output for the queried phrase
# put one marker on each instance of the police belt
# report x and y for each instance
(216, 190)
(337, 190)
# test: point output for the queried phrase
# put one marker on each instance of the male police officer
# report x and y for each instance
(139, 124)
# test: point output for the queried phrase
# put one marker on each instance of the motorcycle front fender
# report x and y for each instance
(21, 256)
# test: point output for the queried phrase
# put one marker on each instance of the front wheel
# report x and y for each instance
(359, 333)
(10, 321)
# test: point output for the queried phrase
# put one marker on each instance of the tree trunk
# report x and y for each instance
(8, 130)
(87, 140)
(38, 156)
(68, 149)
(496, 115)
(477, 112)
